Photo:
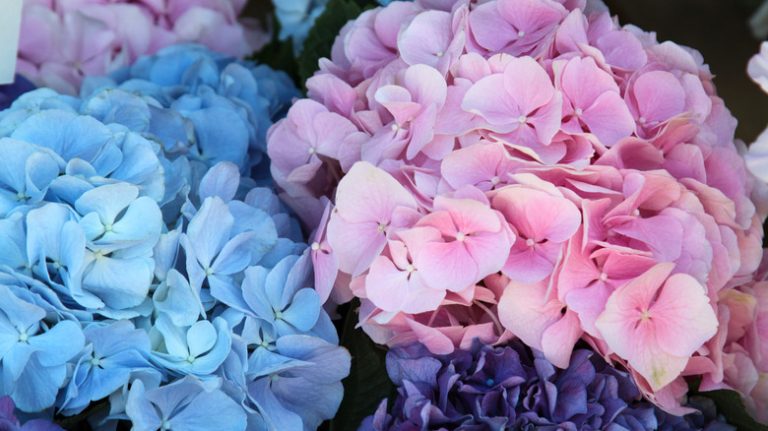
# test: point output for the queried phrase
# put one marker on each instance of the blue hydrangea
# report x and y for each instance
(148, 264)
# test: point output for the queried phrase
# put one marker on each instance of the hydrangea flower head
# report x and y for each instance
(512, 388)
(63, 41)
(532, 170)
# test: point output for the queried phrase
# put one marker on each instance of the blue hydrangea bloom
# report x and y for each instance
(188, 404)
(512, 387)
(132, 218)
(34, 353)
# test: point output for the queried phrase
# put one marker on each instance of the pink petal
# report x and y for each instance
(683, 316)
(485, 99)
(659, 96)
(532, 264)
(525, 311)
(356, 245)
(538, 215)
(527, 84)
(558, 339)
(447, 266)
(368, 193)
(415, 48)
(609, 119)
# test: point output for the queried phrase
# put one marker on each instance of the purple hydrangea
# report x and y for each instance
(9, 92)
(9, 422)
(502, 388)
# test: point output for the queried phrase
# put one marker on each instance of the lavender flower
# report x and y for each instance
(499, 388)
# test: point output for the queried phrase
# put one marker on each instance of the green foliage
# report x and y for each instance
(320, 39)
(730, 405)
(368, 382)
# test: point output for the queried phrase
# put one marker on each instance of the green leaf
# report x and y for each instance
(320, 39)
(730, 405)
(368, 382)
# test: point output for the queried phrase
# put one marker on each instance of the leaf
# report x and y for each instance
(730, 405)
(322, 35)
(368, 382)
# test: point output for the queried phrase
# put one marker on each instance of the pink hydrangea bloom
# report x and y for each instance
(63, 41)
(534, 170)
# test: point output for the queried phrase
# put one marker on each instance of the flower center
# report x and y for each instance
(530, 242)
(645, 315)
(641, 120)
(495, 180)
(315, 246)
(522, 119)
(382, 227)
(191, 359)
(410, 268)
(311, 150)
(23, 336)
(603, 276)
(461, 236)
(108, 227)
(165, 426)
(579, 112)
(521, 33)
(439, 54)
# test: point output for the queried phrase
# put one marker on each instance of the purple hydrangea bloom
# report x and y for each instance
(9, 92)
(9, 422)
(501, 388)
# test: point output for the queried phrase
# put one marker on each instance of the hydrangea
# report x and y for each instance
(62, 41)
(10, 92)
(531, 169)
(511, 387)
(167, 116)
(145, 268)
(9, 422)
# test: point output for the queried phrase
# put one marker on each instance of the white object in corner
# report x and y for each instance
(10, 24)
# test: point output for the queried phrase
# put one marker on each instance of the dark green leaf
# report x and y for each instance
(320, 39)
(730, 405)
(368, 382)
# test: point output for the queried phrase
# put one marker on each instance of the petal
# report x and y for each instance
(447, 266)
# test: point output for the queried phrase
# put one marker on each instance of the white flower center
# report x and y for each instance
(522, 119)
(461, 236)
(579, 112)
(439, 54)
(410, 268)
(603, 276)
(23, 337)
(495, 180)
(382, 228)
(520, 33)
(530, 242)
(311, 150)
(315, 246)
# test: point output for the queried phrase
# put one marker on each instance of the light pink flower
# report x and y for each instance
(543, 221)
(533, 313)
(592, 102)
(370, 204)
(521, 103)
(656, 322)
(474, 243)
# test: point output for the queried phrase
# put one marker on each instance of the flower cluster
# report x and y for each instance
(194, 106)
(64, 40)
(511, 387)
(532, 170)
(139, 268)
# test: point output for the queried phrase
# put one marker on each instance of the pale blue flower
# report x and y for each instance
(186, 405)
(113, 352)
(305, 389)
(33, 353)
(198, 349)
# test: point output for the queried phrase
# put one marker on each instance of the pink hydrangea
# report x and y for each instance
(63, 41)
(537, 171)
